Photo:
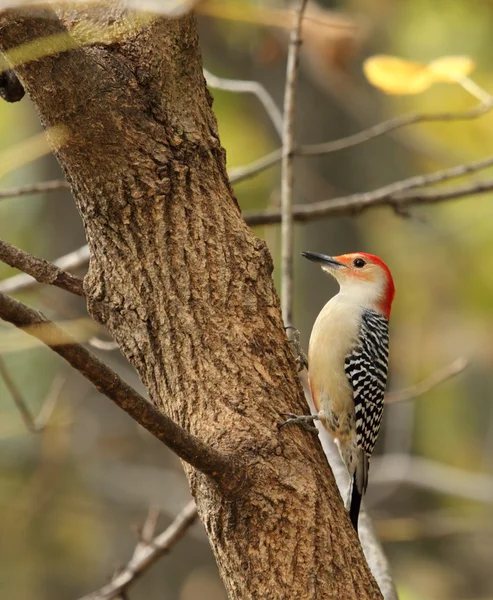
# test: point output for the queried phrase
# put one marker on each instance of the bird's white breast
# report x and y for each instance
(334, 334)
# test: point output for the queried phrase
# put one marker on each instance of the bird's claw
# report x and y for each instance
(299, 353)
(305, 421)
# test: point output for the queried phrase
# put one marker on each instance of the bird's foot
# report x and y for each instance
(299, 353)
(305, 421)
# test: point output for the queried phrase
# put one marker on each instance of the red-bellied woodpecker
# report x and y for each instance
(348, 361)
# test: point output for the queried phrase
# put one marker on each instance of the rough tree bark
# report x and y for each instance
(186, 290)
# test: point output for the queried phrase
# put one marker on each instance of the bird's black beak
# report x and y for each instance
(323, 259)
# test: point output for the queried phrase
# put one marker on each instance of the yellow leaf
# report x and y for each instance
(451, 68)
(396, 75)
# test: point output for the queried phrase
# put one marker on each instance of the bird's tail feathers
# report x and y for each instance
(358, 488)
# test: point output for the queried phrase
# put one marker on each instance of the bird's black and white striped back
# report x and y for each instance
(366, 367)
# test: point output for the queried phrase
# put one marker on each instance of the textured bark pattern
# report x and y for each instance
(186, 290)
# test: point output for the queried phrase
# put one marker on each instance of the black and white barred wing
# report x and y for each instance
(366, 368)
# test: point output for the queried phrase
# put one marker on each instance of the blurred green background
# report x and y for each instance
(73, 496)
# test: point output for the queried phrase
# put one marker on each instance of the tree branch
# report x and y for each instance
(42, 270)
(237, 174)
(475, 188)
(22, 282)
(393, 124)
(271, 159)
(145, 554)
(33, 424)
(287, 167)
(396, 195)
(428, 384)
(433, 476)
(35, 188)
(252, 87)
(223, 468)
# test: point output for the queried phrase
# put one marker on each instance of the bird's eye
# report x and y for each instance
(358, 263)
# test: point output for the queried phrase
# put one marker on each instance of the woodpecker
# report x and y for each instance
(348, 361)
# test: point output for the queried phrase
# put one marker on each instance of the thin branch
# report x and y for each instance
(428, 384)
(237, 174)
(148, 530)
(441, 195)
(433, 524)
(35, 188)
(398, 195)
(271, 159)
(251, 87)
(146, 554)
(287, 166)
(220, 467)
(49, 404)
(71, 261)
(393, 124)
(42, 270)
(433, 476)
(32, 423)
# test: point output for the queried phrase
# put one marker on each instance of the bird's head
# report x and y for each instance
(364, 278)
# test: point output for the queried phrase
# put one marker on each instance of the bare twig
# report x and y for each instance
(287, 166)
(434, 524)
(398, 195)
(42, 270)
(51, 399)
(149, 528)
(237, 174)
(35, 188)
(428, 384)
(271, 159)
(71, 261)
(251, 87)
(441, 195)
(33, 424)
(220, 467)
(146, 554)
(393, 124)
(419, 181)
(433, 476)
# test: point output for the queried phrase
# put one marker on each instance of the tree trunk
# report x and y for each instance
(186, 290)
